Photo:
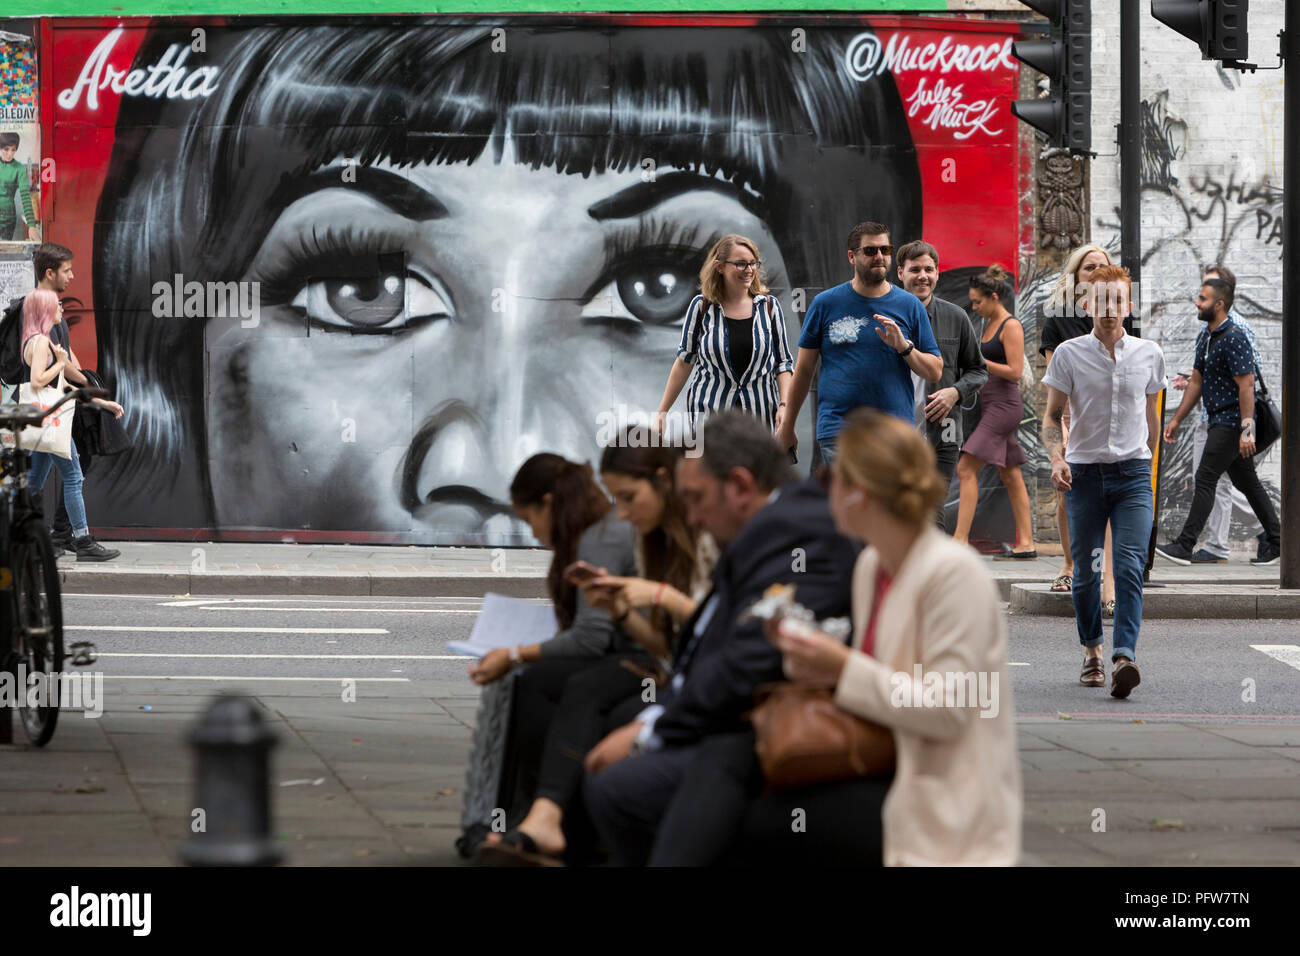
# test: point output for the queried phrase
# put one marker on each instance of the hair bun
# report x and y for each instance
(995, 271)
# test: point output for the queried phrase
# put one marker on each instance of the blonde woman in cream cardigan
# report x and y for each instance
(928, 656)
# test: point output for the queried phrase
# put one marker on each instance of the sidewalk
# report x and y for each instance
(379, 782)
(1234, 590)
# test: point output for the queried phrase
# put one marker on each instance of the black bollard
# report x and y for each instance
(232, 746)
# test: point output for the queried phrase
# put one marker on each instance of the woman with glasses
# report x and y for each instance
(734, 337)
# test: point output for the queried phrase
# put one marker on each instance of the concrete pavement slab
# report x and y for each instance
(1260, 766)
(106, 840)
(1262, 735)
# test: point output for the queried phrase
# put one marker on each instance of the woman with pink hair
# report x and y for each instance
(41, 312)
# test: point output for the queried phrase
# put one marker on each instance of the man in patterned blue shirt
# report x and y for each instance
(1226, 498)
(1224, 378)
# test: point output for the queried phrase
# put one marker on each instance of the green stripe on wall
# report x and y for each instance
(113, 8)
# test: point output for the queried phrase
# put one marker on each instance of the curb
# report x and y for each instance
(1176, 602)
(126, 581)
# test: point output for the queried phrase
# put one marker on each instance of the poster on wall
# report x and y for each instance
(347, 276)
(16, 276)
(20, 138)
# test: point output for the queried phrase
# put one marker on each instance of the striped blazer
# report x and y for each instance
(714, 384)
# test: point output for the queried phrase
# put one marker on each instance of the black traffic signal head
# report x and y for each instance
(1065, 114)
(1218, 27)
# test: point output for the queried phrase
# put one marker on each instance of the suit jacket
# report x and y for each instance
(791, 541)
(956, 795)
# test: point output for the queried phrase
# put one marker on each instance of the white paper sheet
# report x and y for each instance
(505, 622)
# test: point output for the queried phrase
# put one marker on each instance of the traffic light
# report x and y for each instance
(1065, 114)
(1217, 26)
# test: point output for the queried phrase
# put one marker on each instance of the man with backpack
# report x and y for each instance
(53, 266)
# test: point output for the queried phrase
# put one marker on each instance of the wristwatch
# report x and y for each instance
(907, 351)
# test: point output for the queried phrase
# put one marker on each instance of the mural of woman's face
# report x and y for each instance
(423, 330)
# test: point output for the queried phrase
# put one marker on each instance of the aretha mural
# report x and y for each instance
(454, 244)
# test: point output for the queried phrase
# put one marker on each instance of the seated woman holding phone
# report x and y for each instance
(672, 568)
(569, 513)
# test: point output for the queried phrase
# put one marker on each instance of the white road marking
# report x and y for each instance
(1017, 663)
(197, 602)
(239, 677)
(310, 657)
(352, 610)
(1288, 654)
(225, 630)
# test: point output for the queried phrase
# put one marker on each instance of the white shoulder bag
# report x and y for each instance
(55, 436)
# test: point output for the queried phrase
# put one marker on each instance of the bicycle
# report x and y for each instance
(31, 610)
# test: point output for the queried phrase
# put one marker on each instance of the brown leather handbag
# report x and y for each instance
(803, 737)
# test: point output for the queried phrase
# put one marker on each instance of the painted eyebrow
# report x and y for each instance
(387, 188)
(641, 197)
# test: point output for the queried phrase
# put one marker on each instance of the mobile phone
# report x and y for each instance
(580, 572)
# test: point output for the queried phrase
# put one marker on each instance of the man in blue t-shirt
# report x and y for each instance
(870, 337)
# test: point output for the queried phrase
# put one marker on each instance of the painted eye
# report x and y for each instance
(653, 289)
(392, 299)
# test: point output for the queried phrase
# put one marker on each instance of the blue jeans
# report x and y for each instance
(70, 470)
(1121, 494)
(827, 447)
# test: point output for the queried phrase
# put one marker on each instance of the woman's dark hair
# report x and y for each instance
(994, 280)
(194, 186)
(667, 552)
(577, 502)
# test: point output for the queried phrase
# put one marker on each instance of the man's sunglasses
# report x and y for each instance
(871, 251)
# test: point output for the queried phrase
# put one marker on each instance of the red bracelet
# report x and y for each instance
(659, 594)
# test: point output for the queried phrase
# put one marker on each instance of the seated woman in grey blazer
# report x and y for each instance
(569, 513)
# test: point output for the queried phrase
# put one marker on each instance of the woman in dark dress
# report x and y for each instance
(994, 439)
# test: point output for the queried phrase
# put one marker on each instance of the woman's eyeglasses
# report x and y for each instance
(744, 266)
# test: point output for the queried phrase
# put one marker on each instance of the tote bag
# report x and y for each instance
(55, 436)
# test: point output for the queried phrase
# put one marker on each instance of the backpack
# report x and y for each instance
(13, 370)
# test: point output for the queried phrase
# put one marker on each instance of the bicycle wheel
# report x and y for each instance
(38, 627)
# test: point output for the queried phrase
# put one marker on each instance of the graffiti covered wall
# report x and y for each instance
(1211, 193)
(346, 275)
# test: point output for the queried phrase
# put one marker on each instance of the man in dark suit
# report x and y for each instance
(774, 529)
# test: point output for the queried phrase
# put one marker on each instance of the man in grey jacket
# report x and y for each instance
(964, 371)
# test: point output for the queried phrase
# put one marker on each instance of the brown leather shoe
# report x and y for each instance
(1094, 672)
(1123, 678)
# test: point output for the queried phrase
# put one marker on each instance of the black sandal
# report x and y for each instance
(515, 848)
